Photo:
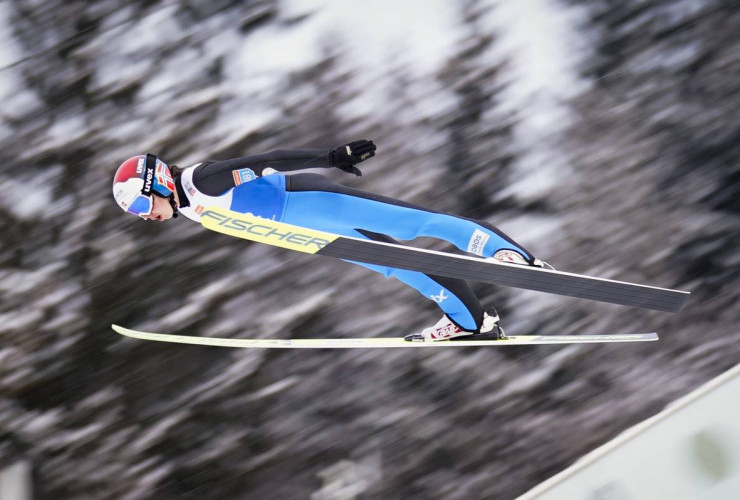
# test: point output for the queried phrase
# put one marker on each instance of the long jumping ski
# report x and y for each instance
(440, 263)
(367, 343)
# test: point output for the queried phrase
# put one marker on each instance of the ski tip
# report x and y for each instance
(121, 330)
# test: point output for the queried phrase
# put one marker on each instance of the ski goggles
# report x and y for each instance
(141, 205)
(130, 198)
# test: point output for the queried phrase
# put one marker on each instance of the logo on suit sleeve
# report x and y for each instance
(243, 175)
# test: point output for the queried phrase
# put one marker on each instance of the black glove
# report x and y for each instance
(347, 156)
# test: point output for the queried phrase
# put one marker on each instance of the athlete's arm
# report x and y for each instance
(215, 178)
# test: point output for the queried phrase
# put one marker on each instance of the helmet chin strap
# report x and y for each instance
(173, 205)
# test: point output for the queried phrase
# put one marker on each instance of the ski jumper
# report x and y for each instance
(258, 185)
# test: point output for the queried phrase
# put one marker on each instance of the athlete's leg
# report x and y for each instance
(314, 201)
(347, 213)
(455, 297)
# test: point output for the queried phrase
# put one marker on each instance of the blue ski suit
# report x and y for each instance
(259, 185)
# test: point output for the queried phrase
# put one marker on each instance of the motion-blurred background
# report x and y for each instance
(602, 135)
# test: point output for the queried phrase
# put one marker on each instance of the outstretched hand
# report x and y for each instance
(347, 156)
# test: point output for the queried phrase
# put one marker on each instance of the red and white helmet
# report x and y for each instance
(137, 179)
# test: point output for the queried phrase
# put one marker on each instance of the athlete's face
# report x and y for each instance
(161, 209)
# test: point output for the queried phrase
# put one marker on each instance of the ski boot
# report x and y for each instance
(512, 257)
(489, 330)
(445, 329)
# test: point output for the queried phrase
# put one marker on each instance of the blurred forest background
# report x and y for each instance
(603, 135)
